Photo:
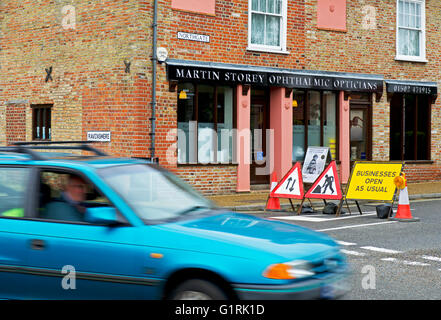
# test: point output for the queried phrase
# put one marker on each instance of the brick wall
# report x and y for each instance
(15, 123)
(90, 89)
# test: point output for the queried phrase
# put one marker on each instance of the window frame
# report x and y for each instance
(422, 56)
(215, 122)
(47, 108)
(306, 119)
(283, 31)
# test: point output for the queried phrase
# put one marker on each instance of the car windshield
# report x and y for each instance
(155, 194)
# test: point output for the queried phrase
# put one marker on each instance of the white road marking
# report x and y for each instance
(389, 259)
(416, 263)
(344, 243)
(314, 219)
(432, 258)
(356, 226)
(353, 253)
(409, 263)
(300, 218)
(381, 250)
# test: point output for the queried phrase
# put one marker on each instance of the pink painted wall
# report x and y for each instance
(200, 6)
(331, 14)
(281, 123)
(243, 143)
(344, 143)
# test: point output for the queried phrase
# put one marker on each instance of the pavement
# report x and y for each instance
(256, 200)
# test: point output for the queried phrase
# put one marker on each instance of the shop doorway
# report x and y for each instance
(259, 123)
(360, 127)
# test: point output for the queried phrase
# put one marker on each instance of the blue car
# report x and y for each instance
(76, 226)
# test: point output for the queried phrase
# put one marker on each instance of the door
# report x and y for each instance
(71, 259)
(259, 124)
(360, 129)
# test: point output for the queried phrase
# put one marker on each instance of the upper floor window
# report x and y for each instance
(411, 30)
(267, 25)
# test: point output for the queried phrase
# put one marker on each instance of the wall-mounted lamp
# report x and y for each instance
(182, 95)
(294, 103)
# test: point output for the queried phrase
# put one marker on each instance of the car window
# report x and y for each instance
(13, 186)
(155, 195)
(64, 196)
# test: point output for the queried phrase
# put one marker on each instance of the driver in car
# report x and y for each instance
(69, 206)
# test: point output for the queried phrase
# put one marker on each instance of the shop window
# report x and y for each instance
(205, 123)
(314, 122)
(411, 30)
(409, 129)
(267, 25)
(41, 122)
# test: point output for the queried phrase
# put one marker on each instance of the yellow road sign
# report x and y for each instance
(373, 181)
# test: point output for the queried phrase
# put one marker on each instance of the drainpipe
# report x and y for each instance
(154, 63)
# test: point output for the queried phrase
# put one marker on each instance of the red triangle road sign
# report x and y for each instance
(327, 186)
(291, 186)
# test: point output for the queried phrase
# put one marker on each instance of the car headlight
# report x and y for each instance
(289, 270)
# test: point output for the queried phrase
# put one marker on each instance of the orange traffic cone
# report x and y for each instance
(273, 203)
(403, 213)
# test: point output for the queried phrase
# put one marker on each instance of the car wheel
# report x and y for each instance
(197, 289)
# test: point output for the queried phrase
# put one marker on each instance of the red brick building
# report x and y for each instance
(246, 87)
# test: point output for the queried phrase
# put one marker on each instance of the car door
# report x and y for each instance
(78, 260)
(14, 188)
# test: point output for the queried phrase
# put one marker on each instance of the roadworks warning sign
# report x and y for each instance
(373, 181)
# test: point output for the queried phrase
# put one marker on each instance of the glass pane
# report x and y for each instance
(400, 7)
(406, 14)
(262, 5)
(255, 5)
(257, 28)
(358, 118)
(422, 128)
(329, 123)
(278, 6)
(418, 15)
(13, 183)
(412, 15)
(409, 127)
(271, 7)
(314, 119)
(224, 124)
(272, 31)
(298, 150)
(414, 43)
(396, 141)
(186, 123)
(403, 48)
(206, 124)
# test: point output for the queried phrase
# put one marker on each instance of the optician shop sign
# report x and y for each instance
(269, 78)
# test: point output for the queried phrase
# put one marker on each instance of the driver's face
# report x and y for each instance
(76, 188)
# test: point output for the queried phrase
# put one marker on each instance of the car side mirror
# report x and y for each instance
(102, 215)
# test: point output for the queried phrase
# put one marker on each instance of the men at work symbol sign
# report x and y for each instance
(373, 180)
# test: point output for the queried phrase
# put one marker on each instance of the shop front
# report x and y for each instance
(411, 119)
(262, 120)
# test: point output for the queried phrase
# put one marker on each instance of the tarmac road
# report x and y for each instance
(390, 260)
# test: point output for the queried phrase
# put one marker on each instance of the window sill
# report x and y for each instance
(411, 59)
(268, 50)
(419, 162)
